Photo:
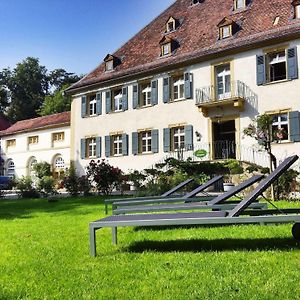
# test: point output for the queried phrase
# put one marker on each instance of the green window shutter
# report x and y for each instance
(292, 63)
(99, 104)
(125, 144)
(260, 69)
(188, 137)
(107, 146)
(135, 143)
(167, 139)
(135, 96)
(125, 98)
(188, 85)
(83, 148)
(154, 141)
(294, 126)
(154, 92)
(98, 147)
(83, 106)
(166, 90)
(108, 101)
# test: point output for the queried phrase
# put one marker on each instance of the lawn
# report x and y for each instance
(45, 255)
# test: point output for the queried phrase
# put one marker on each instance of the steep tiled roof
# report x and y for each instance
(38, 123)
(198, 35)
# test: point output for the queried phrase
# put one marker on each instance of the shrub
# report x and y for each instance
(71, 181)
(84, 185)
(46, 185)
(42, 169)
(26, 188)
(104, 176)
(287, 183)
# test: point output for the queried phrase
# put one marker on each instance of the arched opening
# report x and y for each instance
(10, 169)
(30, 166)
(58, 166)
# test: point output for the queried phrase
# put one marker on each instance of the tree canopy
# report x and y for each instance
(29, 90)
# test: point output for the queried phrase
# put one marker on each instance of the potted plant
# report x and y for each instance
(234, 167)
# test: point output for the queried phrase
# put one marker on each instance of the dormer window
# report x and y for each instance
(239, 4)
(227, 28)
(167, 46)
(171, 25)
(296, 4)
(196, 1)
(110, 62)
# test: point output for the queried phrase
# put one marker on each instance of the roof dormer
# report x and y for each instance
(227, 28)
(171, 24)
(168, 45)
(296, 6)
(110, 62)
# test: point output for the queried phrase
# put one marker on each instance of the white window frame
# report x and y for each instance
(11, 169)
(277, 60)
(178, 88)
(178, 138)
(91, 147)
(146, 94)
(226, 31)
(109, 65)
(117, 143)
(92, 106)
(145, 142)
(281, 123)
(117, 103)
(297, 11)
(239, 4)
(59, 163)
(166, 49)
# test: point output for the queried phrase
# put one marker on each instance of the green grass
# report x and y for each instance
(44, 254)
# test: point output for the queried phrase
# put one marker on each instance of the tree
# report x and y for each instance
(27, 85)
(3, 99)
(60, 78)
(56, 103)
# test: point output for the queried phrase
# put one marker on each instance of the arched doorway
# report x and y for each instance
(58, 166)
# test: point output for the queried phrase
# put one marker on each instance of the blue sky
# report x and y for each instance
(70, 34)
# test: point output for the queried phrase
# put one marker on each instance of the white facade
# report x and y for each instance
(275, 97)
(21, 150)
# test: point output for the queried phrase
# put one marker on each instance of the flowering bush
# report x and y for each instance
(104, 176)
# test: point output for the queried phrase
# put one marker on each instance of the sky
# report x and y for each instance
(74, 35)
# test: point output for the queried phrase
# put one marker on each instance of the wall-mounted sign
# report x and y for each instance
(201, 153)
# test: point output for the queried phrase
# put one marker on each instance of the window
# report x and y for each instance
(178, 138)
(238, 4)
(117, 143)
(33, 140)
(171, 25)
(10, 169)
(117, 100)
(11, 143)
(145, 142)
(58, 136)
(223, 81)
(196, 1)
(146, 94)
(280, 127)
(92, 105)
(32, 162)
(276, 66)
(91, 147)
(109, 65)
(178, 88)
(59, 163)
(225, 31)
(166, 49)
(297, 11)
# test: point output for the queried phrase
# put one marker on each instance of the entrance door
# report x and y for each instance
(224, 143)
(223, 81)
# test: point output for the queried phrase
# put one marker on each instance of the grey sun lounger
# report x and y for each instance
(232, 216)
(164, 195)
(187, 197)
(217, 203)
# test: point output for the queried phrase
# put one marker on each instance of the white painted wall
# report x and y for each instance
(45, 150)
(274, 96)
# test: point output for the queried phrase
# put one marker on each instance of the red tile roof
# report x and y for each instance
(38, 123)
(197, 36)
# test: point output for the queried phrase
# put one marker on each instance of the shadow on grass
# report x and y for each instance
(24, 208)
(203, 245)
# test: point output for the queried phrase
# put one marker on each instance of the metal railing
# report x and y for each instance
(220, 150)
(237, 89)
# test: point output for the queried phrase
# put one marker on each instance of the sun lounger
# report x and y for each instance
(208, 218)
(187, 197)
(164, 195)
(217, 203)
